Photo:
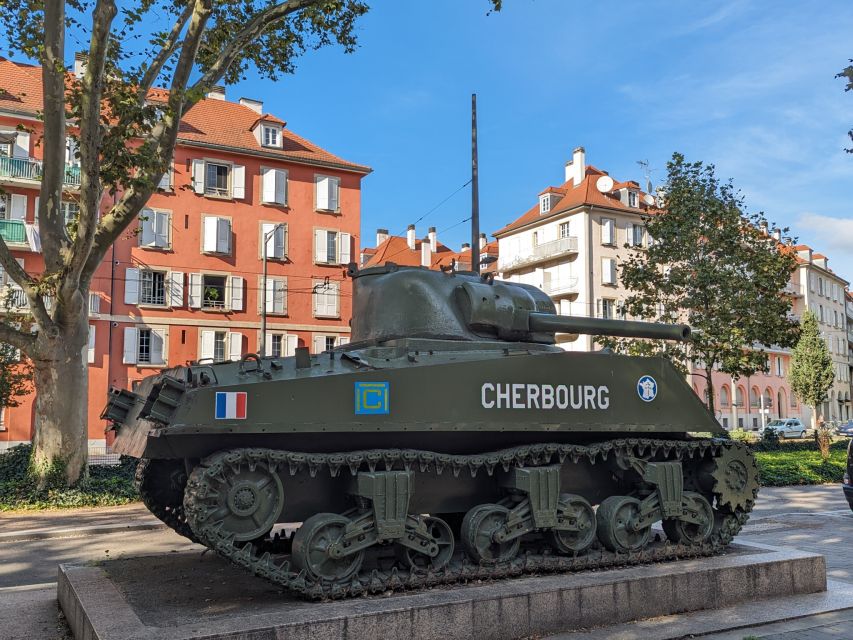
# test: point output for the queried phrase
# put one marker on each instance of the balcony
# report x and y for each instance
(793, 290)
(561, 288)
(13, 232)
(561, 248)
(13, 298)
(27, 170)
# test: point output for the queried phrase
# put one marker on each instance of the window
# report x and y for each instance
(608, 271)
(725, 423)
(2, 418)
(740, 423)
(724, 396)
(276, 349)
(820, 286)
(217, 235)
(216, 292)
(219, 179)
(779, 368)
(326, 299)
(213, 292)
(606, 308)
(281, 345)
(218, 345)
(276, 240)
(154, 229)
(328, 342)
(271, 136)
(144, 345)
(94, 303)
(544, 203)
(216, 179)
(327, 192)
(70, 211)
(565, 229)
(152, 287)
(276, 296)
(332, 247)
(633, 199)
(637, 233)
(608, 236)
(273, 186)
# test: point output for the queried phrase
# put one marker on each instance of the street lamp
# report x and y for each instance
(267, 236)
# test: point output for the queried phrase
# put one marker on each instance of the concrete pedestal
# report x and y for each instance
(189, 595)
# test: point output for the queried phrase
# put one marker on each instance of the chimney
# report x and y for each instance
(80, 59)
(805, 254)
(381, 236)
(777, 234)
(426, 253)
(465, 247)
(483, 241)
(576, 167)
(410, 237)
(255, 105)
(433, 239)
(217, 92)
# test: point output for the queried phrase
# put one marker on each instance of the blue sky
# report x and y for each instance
(745, 85)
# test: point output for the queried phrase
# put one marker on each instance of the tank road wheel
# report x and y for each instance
(578, 512)
(478, 528)
(614, 516)
(443, 535)
(689, 532)
(250, 499)
(311, 544)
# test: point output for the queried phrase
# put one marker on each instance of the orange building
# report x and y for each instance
(185, 284)
(428, 252)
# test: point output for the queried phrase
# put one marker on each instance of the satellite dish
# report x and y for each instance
(604, 184)
(649, 199)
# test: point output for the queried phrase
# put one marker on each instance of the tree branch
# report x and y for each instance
(30, 287)
(15, 270)
(165, 53)
(26, 342)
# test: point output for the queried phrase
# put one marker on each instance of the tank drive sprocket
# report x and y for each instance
(735, 477)
(161, 485)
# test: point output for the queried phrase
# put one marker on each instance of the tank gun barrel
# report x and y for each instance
(603, 327)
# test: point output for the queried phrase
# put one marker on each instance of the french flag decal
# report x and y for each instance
(231, 405)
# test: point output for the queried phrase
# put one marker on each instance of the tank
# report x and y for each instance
(451, 440)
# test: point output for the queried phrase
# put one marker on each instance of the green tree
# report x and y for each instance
(811, 373)
(711, 264)
(847, 74)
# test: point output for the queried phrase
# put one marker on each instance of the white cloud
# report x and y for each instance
(833, 236)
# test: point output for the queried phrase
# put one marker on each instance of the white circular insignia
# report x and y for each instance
(647, 388)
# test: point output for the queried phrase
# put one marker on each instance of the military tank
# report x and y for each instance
(451, 440)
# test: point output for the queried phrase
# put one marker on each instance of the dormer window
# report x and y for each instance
(271, 136)
(633, 199)
(544, 203)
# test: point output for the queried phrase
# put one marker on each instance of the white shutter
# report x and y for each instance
(269, 295)
(18, 207)
(176, 289)
(147, 220)
(268, 184)
(36, 210)
(334, 188)
(292, 343)
(279, 242)
(320, 253)
(268, 345)
(90, 352)
(629, 229)
(22, 145)
(235, 345)
(322, 193)
(238, 182)
(131, 286)
(130, 345)
(158, 343)
(161, 229)
(223, 235)
(346, 248)
(342, 340)
(332, 299)
(607, 231)
(166, 180)
(319, 344)
(236, 293)
(71, 149)
(210, 234)
(195, 291)
(94, 303)
(198, 176)
(208, 339)
(281, 186)
(280, 293)
(266, 228)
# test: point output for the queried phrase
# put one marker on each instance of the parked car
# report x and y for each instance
(846, 429)
(788, 428)
(847, 487)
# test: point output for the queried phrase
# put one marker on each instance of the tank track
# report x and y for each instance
(258, 557)
(151, 490)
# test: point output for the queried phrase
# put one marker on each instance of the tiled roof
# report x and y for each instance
(210, 121)
(396, 249)
(586, 193)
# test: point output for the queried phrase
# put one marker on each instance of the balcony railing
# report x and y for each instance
(13, 298)
(542, 252)
(13, 231)
(559, 288)
(28, 169)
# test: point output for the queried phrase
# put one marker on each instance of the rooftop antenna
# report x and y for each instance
(647, 173)
(475, 191)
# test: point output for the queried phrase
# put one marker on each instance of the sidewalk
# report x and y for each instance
(32, 525)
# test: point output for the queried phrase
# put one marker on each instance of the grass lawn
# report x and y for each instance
(800, 463)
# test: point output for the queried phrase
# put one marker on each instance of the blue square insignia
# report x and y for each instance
(372, 398)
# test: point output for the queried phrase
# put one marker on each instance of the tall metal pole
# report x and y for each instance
(263, 292)
(475, 191)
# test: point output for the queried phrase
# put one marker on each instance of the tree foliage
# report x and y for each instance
(847, 74)
(711, 264)
(811, 373)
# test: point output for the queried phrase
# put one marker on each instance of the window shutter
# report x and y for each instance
(266, 228)
(281, 291)
(158, 342)
(223, 235)
(332, 299)
(195, 291)
(268, 345)
(90, 353)
(236, 293)
(36, 210)
(148, 223)
(18, 207)
(292, 343)
(166, 180)
(130, 345)
(320, 254)
(612, 265)
(267, 184)
(131, 286)
(22, 145)
(279, 242)
(342, 340)
(630, 233)
(161, 229)
(281, 186)
(346, 248)
(334, 189)
(606, 231)
(322, 193)
(94, 302)
(235, 345)
(270, 295)
(208, 338)
(176, 289)
(210, 231)
(198, 176)
(238, 182)
(319, 344)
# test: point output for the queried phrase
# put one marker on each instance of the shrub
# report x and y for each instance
(740, 435)
(797, 463)
(769, 439)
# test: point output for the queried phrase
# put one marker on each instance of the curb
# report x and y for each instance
(46, 534)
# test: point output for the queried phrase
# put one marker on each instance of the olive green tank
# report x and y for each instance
(451, 440)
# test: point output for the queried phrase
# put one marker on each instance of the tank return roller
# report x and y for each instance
(551, 323)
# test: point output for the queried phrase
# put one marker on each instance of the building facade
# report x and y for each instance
(185, 283)
(426, 252)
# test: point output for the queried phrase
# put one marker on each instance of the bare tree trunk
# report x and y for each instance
(60, 442)
(710, 386)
